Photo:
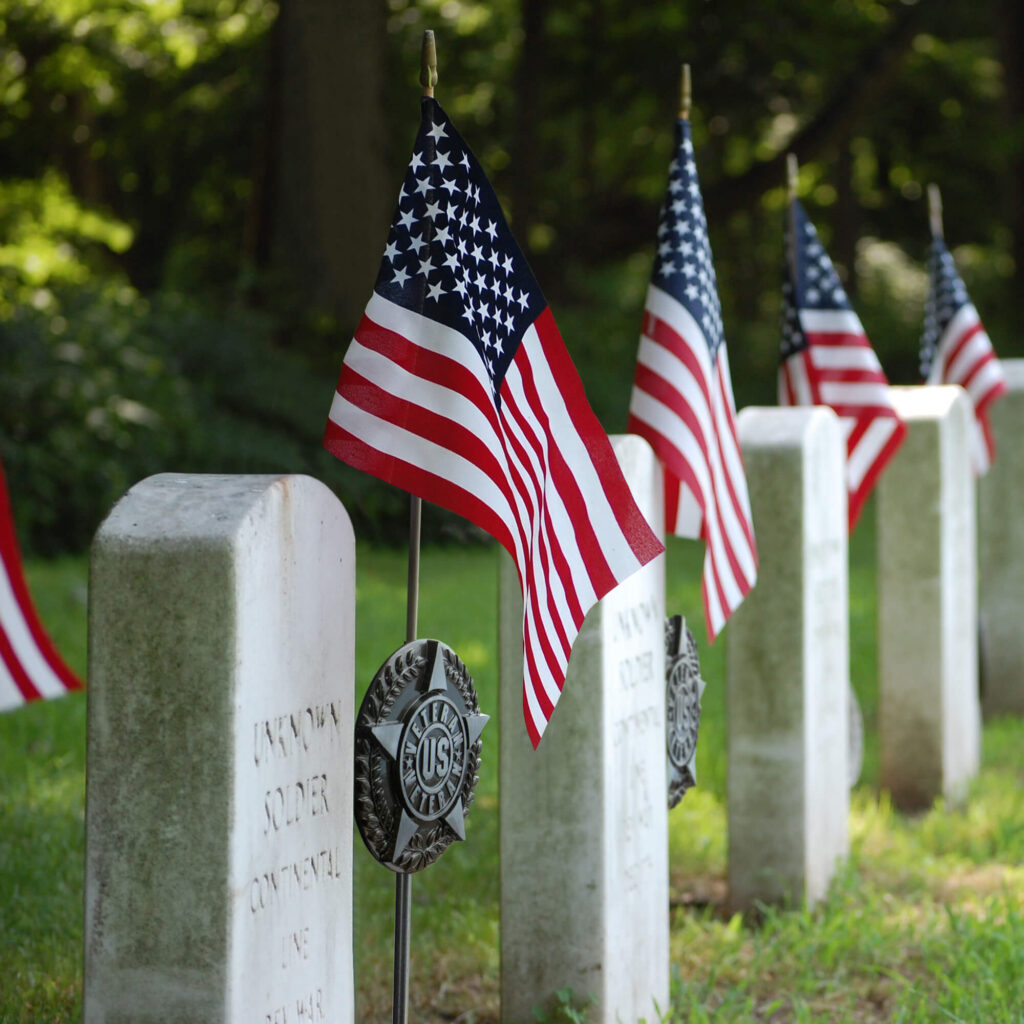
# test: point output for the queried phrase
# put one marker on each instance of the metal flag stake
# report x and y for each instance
(417, 739)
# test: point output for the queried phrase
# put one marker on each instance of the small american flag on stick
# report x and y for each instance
(954, 346)
(30, 667)
(827, 359)
(682, 400)
(458, 388)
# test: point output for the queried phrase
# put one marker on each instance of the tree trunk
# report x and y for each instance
(327, 200)
(847, 219)
(1011, 33)
(528, 81)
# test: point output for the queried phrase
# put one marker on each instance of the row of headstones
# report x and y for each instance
(220, 774)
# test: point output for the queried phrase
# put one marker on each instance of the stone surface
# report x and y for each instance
(855, 753)
(787, 659)
(929, 715)
(584, 825)
(219, 786)
(1001, 554)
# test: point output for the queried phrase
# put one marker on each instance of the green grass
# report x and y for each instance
(925, 923)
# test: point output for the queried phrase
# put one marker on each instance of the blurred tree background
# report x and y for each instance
(195, 195)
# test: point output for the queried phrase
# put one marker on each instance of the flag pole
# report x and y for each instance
(685, 94)
(403, 880)
(935, 210)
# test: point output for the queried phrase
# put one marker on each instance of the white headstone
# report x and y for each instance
(219, 786)
(584, 819)
(1001, 553)
(787, 658)
(929, 715)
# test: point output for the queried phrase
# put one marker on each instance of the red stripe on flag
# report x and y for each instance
(421, 482)
(987, 436)
(975, 368)
(787, 384)
(656, 386)
(837, 339)
(601, 576)
(681, 467)
(738, 508)
(16, 577)
(531, 729)
(850, 375)
(672, 485)
(810, 375)
(16, 670)
(425, 364)
(847, 410)
(667, 336)
(635, 528)
(950, 355)
(550, 550)
(712, 426)
(997, 390)
(859, 496)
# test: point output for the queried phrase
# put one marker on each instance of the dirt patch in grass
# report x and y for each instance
(699, 892)
(966, 885)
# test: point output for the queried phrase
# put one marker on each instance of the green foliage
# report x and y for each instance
(149, 111)
(49, 239)
(925, 923)
(566, 1009)
(102, 388)
(135, 138)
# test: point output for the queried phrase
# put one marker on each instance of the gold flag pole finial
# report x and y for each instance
(792, 171)
(935, 210)
(685, 94)
(428, 63)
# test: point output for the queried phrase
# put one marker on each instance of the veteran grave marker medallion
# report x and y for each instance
(417, 754)
(683, 690)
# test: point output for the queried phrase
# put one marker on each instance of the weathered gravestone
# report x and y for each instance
(929, 715)
(787, 661)
(584, 825)
(1001, 554)
(219, 787)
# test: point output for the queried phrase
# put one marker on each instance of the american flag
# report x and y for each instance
(30, 667)
(956, 350)
(682, 400)
(827, 359)
(458, 388)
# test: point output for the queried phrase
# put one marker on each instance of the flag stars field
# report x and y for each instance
(449, 246)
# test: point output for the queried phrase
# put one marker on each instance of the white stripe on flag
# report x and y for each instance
(385, 437)
(614, 545)
(796, 374)
(860, 393)
(720, 521)
(10, 695)
(870, 445)
(723, 451)
(561, 535)
(24, 645)
(730, 440)
(985, 380)
(689, 515)
(851, 356)
(974, 350)
(830, 321)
